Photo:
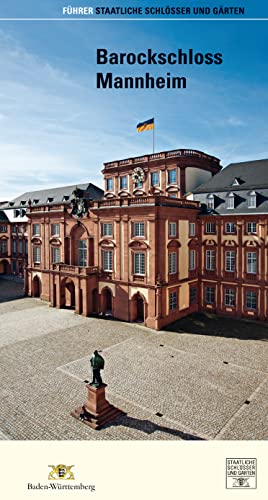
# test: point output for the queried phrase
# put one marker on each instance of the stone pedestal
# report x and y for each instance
(96, 411)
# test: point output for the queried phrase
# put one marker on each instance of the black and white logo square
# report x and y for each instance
(241, 473)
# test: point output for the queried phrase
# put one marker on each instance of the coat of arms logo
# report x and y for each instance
(79, 204)
(61, 472)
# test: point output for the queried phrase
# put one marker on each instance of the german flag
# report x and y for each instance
(148, 125)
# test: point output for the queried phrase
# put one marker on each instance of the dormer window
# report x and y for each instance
(210, 201)
(237, 181)
(23, 202)
(230, 201)
(252, 199)
(65, 197)
(35, 202)
(49, 200)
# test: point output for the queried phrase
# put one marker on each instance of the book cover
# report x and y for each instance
(133, 157)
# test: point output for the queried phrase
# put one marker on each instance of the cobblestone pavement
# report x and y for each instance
(171, 385)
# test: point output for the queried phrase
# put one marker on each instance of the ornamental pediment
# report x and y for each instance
(230, 243)
(174, 244)
(109, 196)
(172, 189)
(36, 241)
(251, 243)
(209, 242)
(139, 192)
(123, 193)
(107, 243)
(141, 245)
(55, 241)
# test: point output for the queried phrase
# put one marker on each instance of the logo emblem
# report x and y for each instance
(241, 473)
(61, 472)
(79, 204)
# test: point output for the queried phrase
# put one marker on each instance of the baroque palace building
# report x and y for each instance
(233, 271)
(170, 234)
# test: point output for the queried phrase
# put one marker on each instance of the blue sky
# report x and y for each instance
(57, 128)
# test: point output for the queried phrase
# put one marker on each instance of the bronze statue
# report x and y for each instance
(97, 364)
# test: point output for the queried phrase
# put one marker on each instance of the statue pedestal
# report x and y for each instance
(96, 411)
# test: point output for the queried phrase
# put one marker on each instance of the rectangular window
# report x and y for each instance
(14, 266)
(138, 229)
(139, 263)
(210, 202)
(172, 176)
(251, 227)
(108, 260)
(252, 262)
(172, 262)
(36, 230)
(193, 295)
(251, 300)
(3, 229)
(55, 255)
(173, 301)
(14, 246)
(209, 295)
(210, 260)
(172, 229)
(211, 228)
(155, 178)
(107, 229)
(3, 246)
(20, 246)
(191, 228)
(192, 260)
(230, 202)
(230, 227)
(252, 201)
(26, 247)
(82, 253)
(229, 297)
(123, 182)
(37, 254)
(110, 184)
(55, 229)
(230, 258)
(20, 229)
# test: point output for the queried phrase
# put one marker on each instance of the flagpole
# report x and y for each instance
(153, 138)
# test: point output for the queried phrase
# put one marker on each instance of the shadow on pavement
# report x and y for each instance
(149, 427)
(220, 326)
(10, 289)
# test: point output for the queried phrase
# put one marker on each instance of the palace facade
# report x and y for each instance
(233, 272)
(170, 234)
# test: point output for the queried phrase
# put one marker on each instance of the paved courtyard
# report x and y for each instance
(207, 379)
